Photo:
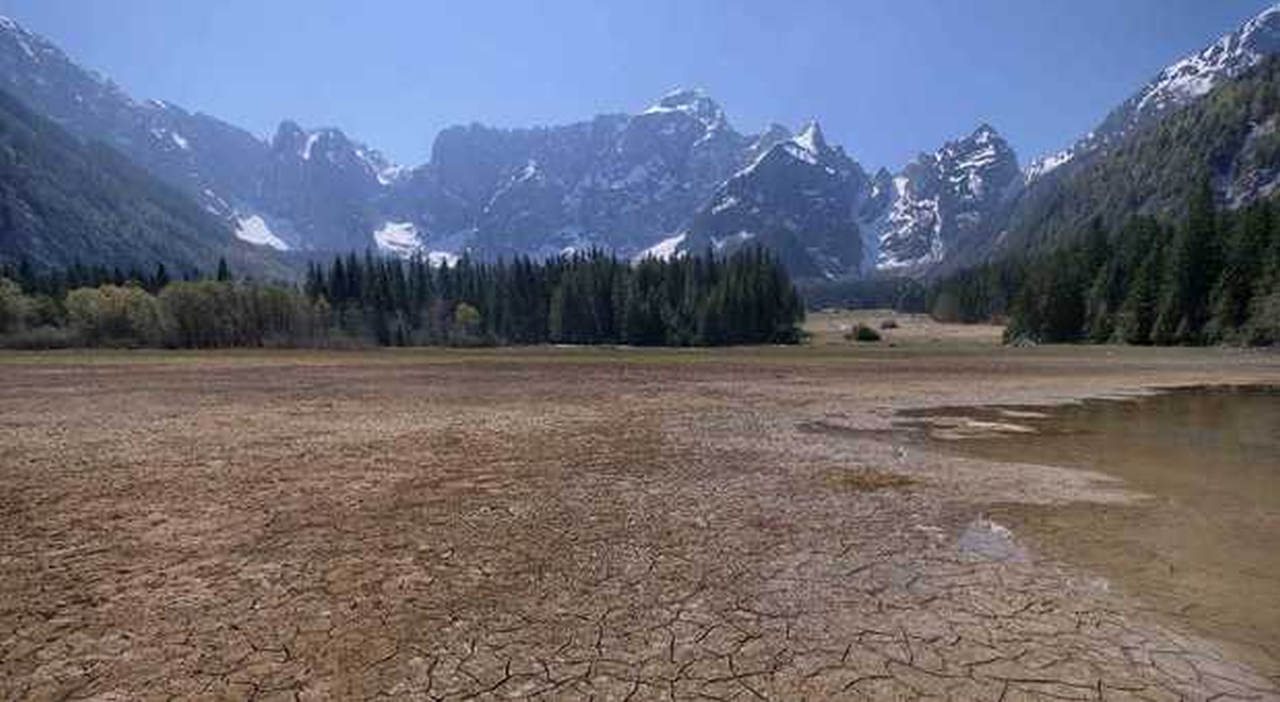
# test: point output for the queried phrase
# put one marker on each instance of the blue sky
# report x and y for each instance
(886, 78)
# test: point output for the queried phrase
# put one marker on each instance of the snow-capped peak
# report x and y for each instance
(691, 101)
(810, 138)
(984, 134)
(808, 145)
(1177, 85)
(681, 97)
(32, 44)
(982, 148)
(9, 24)
(1198, 73)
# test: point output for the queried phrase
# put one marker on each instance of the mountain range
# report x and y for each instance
(671, 179)
(62, 200)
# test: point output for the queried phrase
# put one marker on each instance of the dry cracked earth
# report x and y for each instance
(561, 525)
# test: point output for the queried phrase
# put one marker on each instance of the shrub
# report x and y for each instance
(114, 315)
(211, 314)
(862, 332)
(466, 326)
(13, 306)
(41, 338)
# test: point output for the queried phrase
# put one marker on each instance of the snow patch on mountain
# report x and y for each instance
(214, 204)
(809, 146)
(440, 258)
(254, 230)
(736, 238)
(1196, 75)
(168, 136)
(1177, 85)
(910, 218)
(1047, 164)
(942, 200)
(664, 250)
(398, 238)
(693, 102)
(390, 175)
(310, 144)
(753, 164)
(23, 38)
(386, 173)
(800, 152)
(724, 204)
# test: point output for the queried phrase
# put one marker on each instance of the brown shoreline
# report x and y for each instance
(1217, 578)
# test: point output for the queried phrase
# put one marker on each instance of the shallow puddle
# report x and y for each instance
(1205, 548)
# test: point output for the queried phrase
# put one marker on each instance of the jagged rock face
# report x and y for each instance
(618, 181)
(320, 187)
(621, 182)
(1254, 171)
(799, 198)
(673, 178)
(467, 163)
(872, 215)
(942, 202)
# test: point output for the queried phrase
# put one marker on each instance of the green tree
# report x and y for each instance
(1243, 268)
(1191, 270)
(13, 306)
(466, 323)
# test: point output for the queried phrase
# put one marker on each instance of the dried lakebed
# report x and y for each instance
(566, 524)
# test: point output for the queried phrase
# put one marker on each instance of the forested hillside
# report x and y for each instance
(1231, 138)
(582, 299)
(1211, 276)
(63, 201)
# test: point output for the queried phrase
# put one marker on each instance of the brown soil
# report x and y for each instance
(561, 524)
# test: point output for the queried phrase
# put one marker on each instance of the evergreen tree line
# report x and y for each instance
(590, 298)
(1212, 277)
(56, 282)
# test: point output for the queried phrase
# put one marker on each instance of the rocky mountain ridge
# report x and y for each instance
(1180, 83)
(672, 178)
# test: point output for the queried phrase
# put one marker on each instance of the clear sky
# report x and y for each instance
(886, 78)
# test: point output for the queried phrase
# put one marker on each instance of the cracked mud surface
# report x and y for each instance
(560, 525)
